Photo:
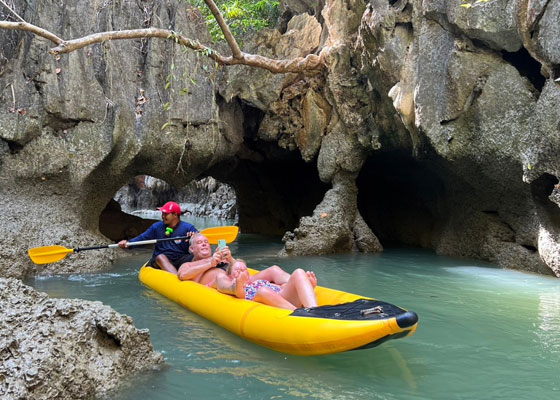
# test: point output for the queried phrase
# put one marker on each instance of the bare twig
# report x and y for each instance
(13, 96)
(12, 10)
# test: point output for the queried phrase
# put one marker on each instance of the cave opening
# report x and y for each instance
(133, 208)
(252, 118)
(546, 194)
(275, 187)
(401, 200)
(527, 66)
(274, 194)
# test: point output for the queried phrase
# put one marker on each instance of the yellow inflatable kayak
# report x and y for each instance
(342, 322)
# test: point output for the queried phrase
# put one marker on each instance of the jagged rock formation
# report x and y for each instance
(92, 121)
(201, 198)
(472, 100)
(65, 349)
(431, 125)
(439, 116)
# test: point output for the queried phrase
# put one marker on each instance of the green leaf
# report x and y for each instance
(241, 15)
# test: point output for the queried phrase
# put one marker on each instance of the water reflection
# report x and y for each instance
(548, 330)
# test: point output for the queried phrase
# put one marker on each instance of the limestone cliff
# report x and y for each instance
(431, 125)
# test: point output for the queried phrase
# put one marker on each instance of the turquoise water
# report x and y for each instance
(484, 333)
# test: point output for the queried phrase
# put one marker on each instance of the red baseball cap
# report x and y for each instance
(170, 207)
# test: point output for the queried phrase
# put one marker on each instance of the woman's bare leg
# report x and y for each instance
(235, 287)
(299, 290)
(273, 274)
(312, 278)
(270, 297)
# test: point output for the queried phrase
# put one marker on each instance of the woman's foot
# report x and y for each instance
(238, 284)
(312, 278)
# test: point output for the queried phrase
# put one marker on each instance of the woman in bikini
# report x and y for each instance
(272, 286)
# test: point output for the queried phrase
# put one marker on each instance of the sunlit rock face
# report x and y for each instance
(431, 125)
(65, 349)
(135, 205)
(202, 198)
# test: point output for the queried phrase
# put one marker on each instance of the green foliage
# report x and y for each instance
(242, 16)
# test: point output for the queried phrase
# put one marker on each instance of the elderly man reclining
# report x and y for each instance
(272, 286)
(205, 265)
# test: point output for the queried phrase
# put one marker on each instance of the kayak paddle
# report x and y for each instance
(50, 254)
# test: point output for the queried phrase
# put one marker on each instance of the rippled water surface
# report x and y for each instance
(484, 333)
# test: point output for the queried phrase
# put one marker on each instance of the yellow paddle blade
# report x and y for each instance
(227, 233)
(48, 254)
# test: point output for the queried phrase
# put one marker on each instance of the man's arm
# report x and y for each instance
(190, 271)
(149, 234)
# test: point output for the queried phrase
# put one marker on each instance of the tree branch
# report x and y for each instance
(299, 64)
(24, 26)
(235, 50)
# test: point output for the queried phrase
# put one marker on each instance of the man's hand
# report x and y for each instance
(226, 255)
(216, 258)
(123, 243)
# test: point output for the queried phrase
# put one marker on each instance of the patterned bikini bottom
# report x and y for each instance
(251, 288)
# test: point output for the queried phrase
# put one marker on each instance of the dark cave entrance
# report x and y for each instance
(401, 200)
(270, 198)
(285, 193)
(273, 194)
(527, 66)
(543, 190)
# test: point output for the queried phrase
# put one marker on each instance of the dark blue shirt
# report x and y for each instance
(173, 249)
